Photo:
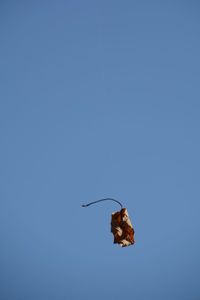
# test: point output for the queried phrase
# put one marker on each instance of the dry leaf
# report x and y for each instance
(122, 229)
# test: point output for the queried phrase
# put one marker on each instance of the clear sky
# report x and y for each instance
(99, 99)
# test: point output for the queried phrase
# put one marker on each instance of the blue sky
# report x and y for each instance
(99, 99)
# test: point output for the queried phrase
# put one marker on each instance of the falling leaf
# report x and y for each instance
(120, 225)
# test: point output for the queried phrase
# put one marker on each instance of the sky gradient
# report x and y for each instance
(99, 99)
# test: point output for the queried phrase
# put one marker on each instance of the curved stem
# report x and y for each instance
(85, 205)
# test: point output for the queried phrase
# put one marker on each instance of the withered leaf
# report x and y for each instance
(122, 229)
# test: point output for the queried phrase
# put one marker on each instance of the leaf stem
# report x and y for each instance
(105, 199)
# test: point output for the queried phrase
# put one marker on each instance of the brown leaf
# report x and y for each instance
(122, 229)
